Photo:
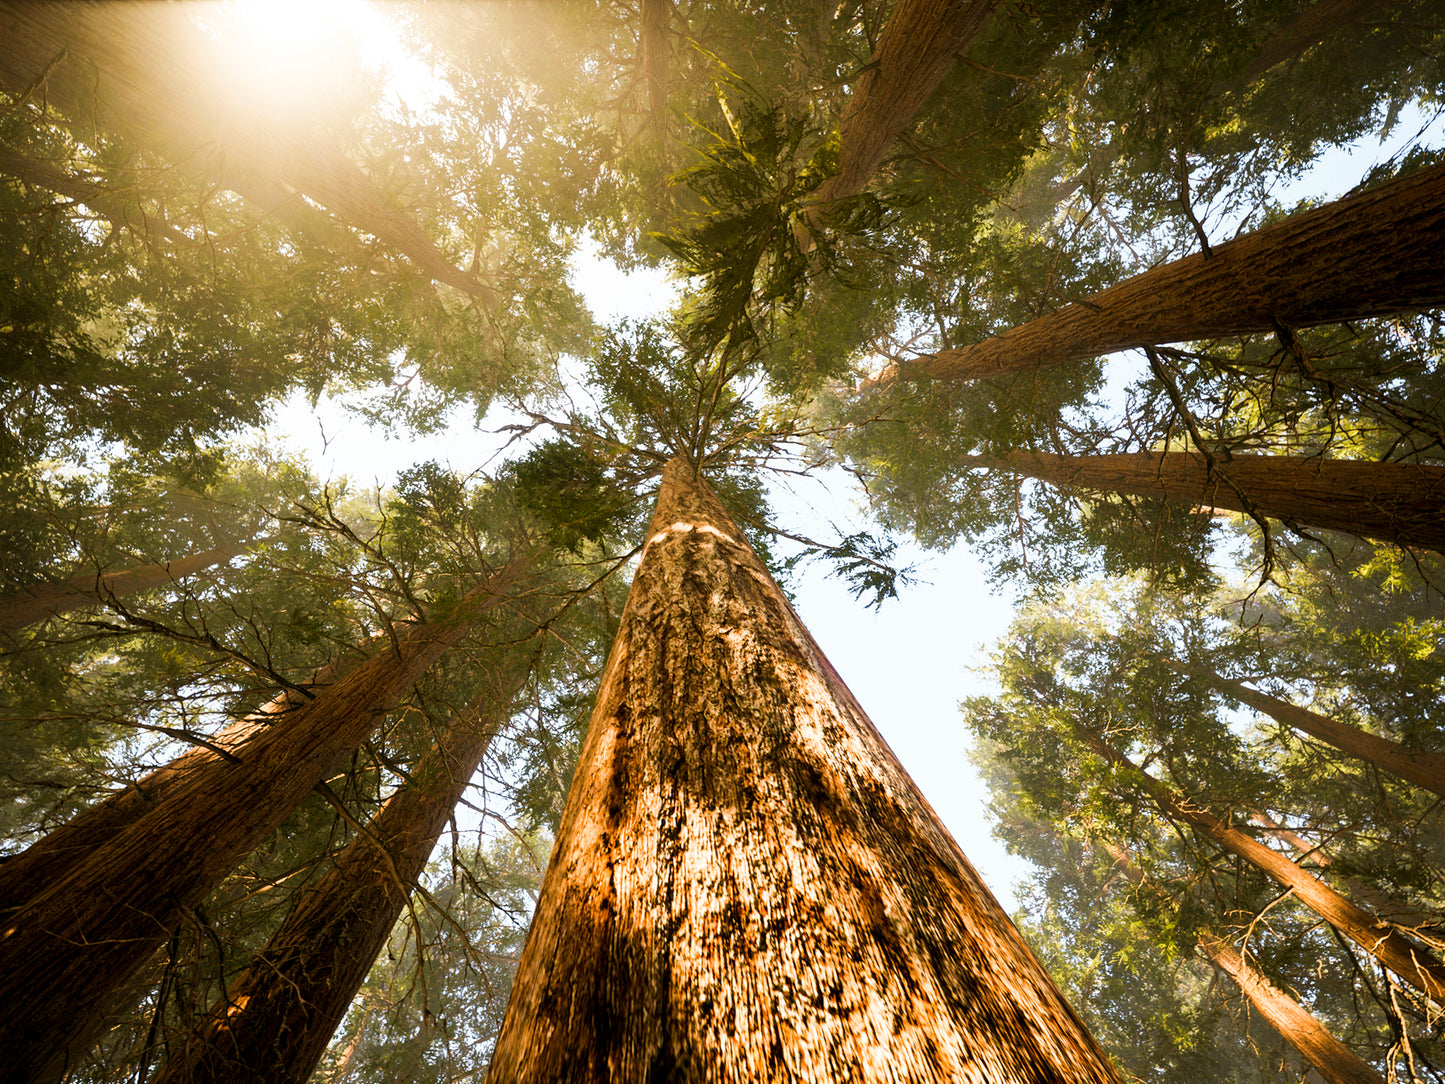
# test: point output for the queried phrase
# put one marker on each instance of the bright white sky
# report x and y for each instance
(910, 663)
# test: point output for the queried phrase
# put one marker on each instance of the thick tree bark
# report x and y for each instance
(918, 46)
(1403, 503)
(49, 859)
(21, 608)
(1372, 254)
(1411, 962)
(1337, 1063)
(146, 72)
(1331, 1058)
(277, 1016)
(746, 884)
(79, 938)
(1416, 766)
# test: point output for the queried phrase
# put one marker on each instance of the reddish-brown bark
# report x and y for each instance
(48, 859)
(746, 884)
(21, 608)
(140, 65)
(1415, 765)
(1376, 253)
(1402, 503)
(1410, 961)
(1334, 1061)
(1331, 1058)
(76, 940)
(277, 1016)
(918, 46)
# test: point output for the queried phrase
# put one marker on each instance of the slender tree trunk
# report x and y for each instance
(1331, 1058)
(1403, 503)
(1391, 910)
(746, 884)
(49, 859)
(21, 608)
(1371, 254)
(1307, 29)
(1416, 766)
(1411, 962)
(151, 75)
(76, 940)
(276, 1018)
(918, 46)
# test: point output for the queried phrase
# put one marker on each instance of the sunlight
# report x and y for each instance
(279, 61)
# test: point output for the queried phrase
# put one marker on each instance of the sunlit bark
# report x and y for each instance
(1371, 254)
(746, 884)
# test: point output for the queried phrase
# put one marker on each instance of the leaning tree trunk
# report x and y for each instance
(918, 46)
(746, 884)
(1331, 1058)
(1416, 766)
(148, 70)
(76, 940)
(1403, 503)
(1372, 254)
(275, 1019)
(1412, 962)
(49, 859)
(21, 608)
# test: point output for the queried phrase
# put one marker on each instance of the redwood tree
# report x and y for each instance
(72, 944)
(1371, 254)
(1391, 502)
(275, 1019)
(746, 884)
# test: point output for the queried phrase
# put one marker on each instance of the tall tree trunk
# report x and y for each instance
(1403, 503)
(918, 46)
(21, 608)
(1332, 1059)
(277, 1016)
(1416, 766)
(49, 859)
(1394, 911)
(1371, 254)
(1411, 962)
(746, 884)
(149, 75)
(79, 938)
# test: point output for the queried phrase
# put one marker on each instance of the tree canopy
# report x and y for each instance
(1113, 300)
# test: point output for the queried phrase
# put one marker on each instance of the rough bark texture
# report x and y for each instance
(917, 48)
(746, 884)
(1411, 962)
(1372, 254)
(21, 608)
(1331, 1058)
(49, 859)
(79, 938)
(138, 63)
(1416, 766)
(1402, 503)
(278, 1015)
